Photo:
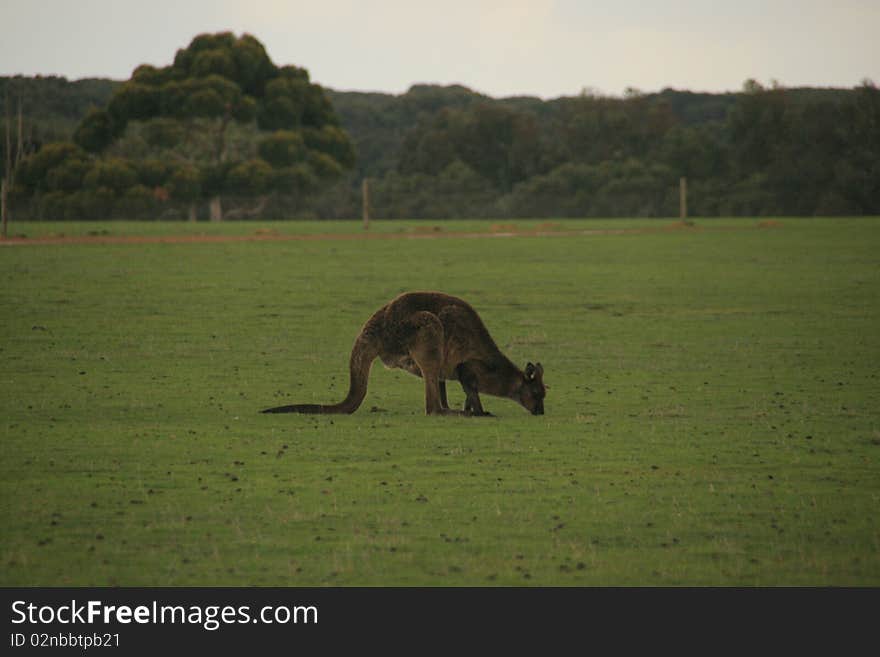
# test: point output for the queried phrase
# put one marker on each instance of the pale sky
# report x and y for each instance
(546, 48)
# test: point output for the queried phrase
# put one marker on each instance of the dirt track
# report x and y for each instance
(276, 237)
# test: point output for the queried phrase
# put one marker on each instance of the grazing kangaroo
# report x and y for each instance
(437, 337)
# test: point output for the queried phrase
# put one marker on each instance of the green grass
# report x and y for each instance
(713, 417)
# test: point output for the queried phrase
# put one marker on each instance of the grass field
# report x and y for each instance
(713, 417)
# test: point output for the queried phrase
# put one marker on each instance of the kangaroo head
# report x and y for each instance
(532, 390)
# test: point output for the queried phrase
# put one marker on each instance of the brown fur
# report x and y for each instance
(439, 338)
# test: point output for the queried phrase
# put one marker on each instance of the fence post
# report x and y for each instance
(365, 199)
(683, 197)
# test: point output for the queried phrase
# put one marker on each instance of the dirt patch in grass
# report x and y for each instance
(544, 229)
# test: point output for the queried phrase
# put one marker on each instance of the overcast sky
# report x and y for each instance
(545, 48)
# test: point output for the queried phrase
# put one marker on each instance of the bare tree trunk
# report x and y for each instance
(19, 152)
(11, 164)
(248, 213)
(220, 153)
(3, 208)
(192, 212)
(216, 209)
(7, 172)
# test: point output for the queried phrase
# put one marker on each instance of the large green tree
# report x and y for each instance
(229, 120)
(498, 143)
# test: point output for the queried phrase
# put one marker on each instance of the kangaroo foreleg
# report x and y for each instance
(468, 380)
(444, 403)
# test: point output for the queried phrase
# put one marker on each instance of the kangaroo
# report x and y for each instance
(439, 338)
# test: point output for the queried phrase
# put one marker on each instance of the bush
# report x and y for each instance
(153, 173)
(53, 206)
(92, 204)
(249, 178)
(138, 202)
(113, 174)
(282, 149)
(35, 169)
(296, 180)
(67, 176)
(185, 184)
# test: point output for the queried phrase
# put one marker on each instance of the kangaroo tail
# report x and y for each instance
(363, 354)
(297, 408)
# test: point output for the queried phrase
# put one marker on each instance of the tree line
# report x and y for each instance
(224, 132)
(766, 150)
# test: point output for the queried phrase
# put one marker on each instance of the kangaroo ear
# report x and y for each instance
(530, 371)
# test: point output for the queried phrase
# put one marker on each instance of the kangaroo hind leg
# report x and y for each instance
(426, 349)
